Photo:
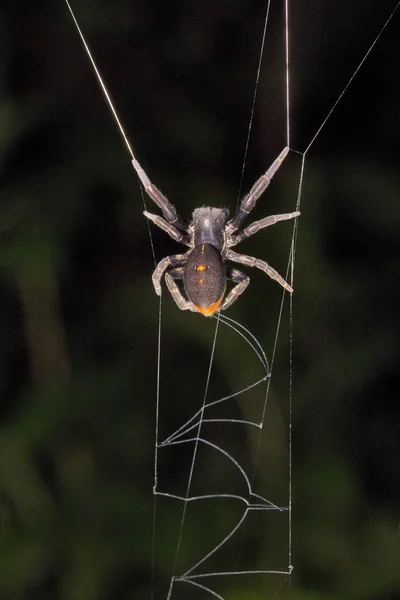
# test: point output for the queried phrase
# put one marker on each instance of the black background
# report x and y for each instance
(79, 315)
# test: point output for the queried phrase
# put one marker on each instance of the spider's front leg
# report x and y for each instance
(251, 229)
(172, 231)
(249, 201)
(251, 261)
(168, 261)
(167, 208)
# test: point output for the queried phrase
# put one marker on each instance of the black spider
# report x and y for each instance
(210, 238)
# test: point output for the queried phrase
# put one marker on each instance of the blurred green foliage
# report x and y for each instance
(79, 315)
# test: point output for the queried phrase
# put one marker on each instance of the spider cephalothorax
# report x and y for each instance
(210, 237)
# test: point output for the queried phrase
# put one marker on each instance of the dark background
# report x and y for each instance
(79, 315)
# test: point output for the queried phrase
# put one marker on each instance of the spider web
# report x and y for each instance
(202, 436)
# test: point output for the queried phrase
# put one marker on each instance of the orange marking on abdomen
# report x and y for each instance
(201, 268)
(209, 310)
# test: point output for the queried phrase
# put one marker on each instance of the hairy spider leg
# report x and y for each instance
(177, 296)
(177, 235)
(251, 261)
(167, 208)
(257, 225)
(168, 261)
(249, 201)
(242, 281)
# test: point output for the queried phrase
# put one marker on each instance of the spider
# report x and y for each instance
(210, 237)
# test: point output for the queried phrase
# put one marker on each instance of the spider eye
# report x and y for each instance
(205, 278)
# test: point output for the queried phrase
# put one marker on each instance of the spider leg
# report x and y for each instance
(249, 201)
(168, 209)
(257, 225)
(168, 261)
(175, 292)
(242, 281)
(251, 261)
(177, 235)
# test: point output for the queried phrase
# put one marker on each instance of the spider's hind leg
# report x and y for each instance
(241, 282)
(177, 296)
(168, 261)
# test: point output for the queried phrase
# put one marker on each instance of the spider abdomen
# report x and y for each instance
(205, 278)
